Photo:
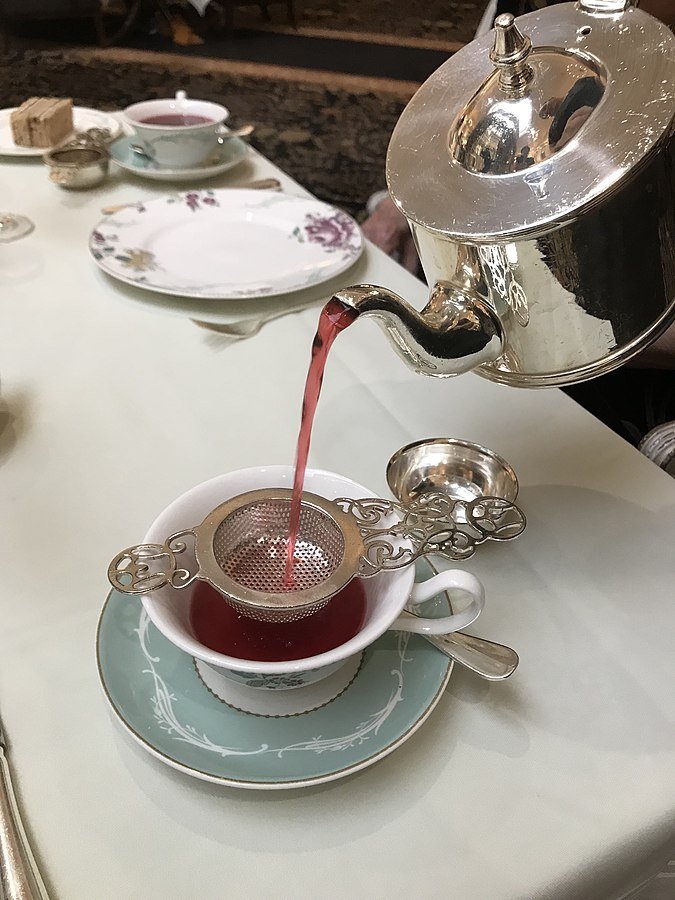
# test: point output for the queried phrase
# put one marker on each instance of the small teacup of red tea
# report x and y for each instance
(277, 656)
(178, 133)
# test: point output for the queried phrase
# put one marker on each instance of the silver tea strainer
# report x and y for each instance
(240, 548)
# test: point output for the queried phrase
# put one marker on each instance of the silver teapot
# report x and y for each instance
(536, 169)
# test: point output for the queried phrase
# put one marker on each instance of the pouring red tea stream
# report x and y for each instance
(218, 625)
(334, 318)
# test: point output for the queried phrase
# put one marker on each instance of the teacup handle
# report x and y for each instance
(451, 580)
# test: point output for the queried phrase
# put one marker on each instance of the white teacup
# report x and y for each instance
(177, 146)
(386, 593)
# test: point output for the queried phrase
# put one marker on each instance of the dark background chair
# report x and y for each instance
(111, 20)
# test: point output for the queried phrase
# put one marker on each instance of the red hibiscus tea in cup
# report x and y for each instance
(174, 120)
(220, 627)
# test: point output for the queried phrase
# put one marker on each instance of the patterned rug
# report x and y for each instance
(333, 140)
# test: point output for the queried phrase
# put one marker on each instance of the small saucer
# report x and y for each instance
(156, 692)
(229, 154)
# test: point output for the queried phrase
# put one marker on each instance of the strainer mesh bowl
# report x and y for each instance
(251, 544)
(241, 550)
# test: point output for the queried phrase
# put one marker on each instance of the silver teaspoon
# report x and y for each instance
(241, 132)
(486, 658)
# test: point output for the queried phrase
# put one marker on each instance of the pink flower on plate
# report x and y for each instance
(333, 232)
(194, 199)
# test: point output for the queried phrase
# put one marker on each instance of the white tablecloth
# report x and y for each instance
(557, 784)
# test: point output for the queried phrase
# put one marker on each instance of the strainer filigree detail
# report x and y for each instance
(148, 567)
(501, 277)
(395, 535)
(241, 546)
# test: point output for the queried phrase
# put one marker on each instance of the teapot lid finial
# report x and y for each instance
(509, 54)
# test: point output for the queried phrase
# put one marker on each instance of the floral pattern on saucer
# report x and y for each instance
(271, 682)
(226, 244)
(332, 233)
(136, 260)
(196, 200)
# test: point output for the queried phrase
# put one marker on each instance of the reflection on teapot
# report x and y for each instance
(574, 110)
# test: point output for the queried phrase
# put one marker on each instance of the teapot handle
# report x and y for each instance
(455, 332)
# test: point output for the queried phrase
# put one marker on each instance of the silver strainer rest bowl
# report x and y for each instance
(241, 547)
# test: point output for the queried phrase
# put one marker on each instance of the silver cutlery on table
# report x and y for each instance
(20, 877)
(241, 132)
(238, 330)
(492, 661)
(259, 184)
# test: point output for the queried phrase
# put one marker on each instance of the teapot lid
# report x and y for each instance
(527, 126)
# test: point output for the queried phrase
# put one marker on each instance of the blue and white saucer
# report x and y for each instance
(179, 713)
(229, 154)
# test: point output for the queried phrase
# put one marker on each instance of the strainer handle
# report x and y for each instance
(395, 535)
(148, 567)
(453, 580)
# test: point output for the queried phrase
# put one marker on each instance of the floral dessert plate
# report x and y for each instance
(169, 705)
(229, 154)
(83, 118)
(226, 244)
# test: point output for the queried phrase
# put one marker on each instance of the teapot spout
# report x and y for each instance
(456, 331)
